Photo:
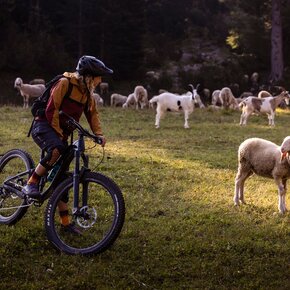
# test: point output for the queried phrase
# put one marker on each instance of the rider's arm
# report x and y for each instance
(93, 118)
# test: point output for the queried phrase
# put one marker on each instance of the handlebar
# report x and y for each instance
(84, 131)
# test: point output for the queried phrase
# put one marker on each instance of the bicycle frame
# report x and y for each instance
(74, 151)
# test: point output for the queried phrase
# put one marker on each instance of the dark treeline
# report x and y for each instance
(42, 38)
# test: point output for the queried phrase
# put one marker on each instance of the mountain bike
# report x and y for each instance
(96, 204)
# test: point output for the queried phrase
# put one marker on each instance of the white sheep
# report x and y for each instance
(28, 91)
(98, 100)
(227, 99)
(175, 103)
(139, 98)
(130, 102)
(266, 159)
(266, 105)
(118, 100)
(215, 97)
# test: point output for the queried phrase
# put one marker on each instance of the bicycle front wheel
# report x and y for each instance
(15, 166)
(99, 219)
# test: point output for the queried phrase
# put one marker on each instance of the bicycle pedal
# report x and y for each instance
(33, 201)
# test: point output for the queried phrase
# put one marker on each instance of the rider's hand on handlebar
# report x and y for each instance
(101, 140)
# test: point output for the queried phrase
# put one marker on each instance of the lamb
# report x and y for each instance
(27, 90)
(173, 102)
(227, 99)
(264, 158)
(118, 100)
(266, 105)
(139, 98)
(98, 100)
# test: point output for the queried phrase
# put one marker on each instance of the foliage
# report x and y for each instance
(182, 230)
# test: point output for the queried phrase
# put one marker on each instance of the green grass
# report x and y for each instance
(181, 230)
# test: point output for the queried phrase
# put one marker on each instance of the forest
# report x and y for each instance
(213, 42)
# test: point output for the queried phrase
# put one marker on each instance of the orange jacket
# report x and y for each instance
(74, 106)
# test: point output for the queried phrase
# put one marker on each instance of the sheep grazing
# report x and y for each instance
(266, 159)
(130, 102)
(139, 98)
(215, 97)
(118, 100)
(227, 99)
(98, 100)
(266, 105)
(175, 103)
(28, 91)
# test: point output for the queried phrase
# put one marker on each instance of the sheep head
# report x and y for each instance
(285, 148)
(18, 82)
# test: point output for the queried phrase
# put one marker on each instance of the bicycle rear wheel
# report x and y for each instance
(15, 166)
(100, 222)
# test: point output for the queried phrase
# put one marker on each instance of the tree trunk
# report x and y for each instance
(277, 63)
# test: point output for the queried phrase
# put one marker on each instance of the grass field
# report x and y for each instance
(181, 230)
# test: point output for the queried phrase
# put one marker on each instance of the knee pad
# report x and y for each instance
(50, 158)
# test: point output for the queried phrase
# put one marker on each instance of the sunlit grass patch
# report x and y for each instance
(182, 230)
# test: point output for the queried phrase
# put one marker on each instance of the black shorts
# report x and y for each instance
(46, 137)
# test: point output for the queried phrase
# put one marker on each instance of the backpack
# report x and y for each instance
(39, 105)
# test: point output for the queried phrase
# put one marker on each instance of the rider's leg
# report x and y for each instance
(31, 189)
(66, 224)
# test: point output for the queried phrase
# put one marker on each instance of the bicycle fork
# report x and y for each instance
(77, 176)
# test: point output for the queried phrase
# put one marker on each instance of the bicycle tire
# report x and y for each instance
(106, 211)
(13, 207)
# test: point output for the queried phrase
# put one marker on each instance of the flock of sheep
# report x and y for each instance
(255, 155)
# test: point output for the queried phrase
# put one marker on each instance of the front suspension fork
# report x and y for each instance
(77, 177)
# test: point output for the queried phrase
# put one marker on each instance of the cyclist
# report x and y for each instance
(50, 132)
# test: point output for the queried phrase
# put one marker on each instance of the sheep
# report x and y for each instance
(264, 158)
(27, 90)
(215, 97)
(173, 102)
(266, 105)
(98, 100)
(104, 88)
(139, 98)
(37, 82)
(227, 99)
(130, 102)
(118, 100)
